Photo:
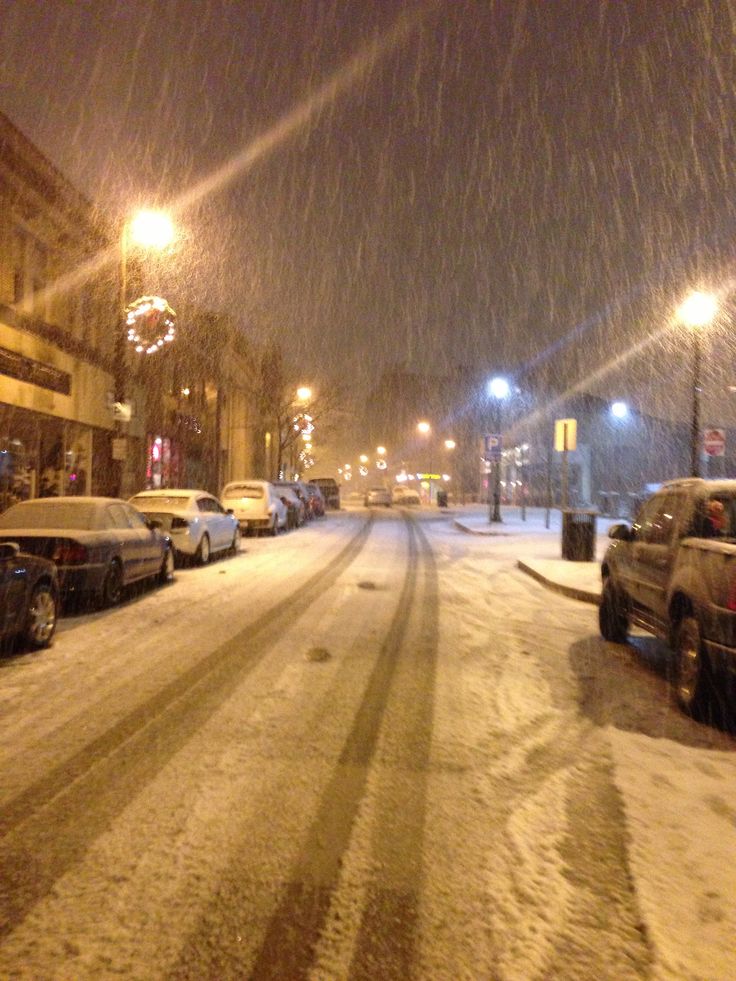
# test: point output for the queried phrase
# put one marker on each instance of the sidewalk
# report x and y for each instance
(539, 547)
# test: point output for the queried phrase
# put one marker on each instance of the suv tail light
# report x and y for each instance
(179, 523)
(70, 553)
(731, 599)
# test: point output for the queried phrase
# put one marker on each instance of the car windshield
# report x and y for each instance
(254, 491)
(45, 514)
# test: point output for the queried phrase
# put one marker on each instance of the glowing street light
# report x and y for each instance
(303, 393)
(151, 230)
(498, 389)
(696, 312)
(619, 410)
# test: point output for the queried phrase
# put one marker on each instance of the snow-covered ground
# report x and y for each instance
(679, 800)
(569, 822)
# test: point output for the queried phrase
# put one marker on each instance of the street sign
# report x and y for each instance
(122, 411)
(714, 442)
(119, 448)
(493, 447)
(566, 435)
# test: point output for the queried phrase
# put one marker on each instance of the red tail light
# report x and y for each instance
(70, 553)
(731, 601)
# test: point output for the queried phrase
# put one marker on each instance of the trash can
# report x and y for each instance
(578, 535)
(441, 498)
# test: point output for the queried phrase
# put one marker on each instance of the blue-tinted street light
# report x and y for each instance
(498, 389)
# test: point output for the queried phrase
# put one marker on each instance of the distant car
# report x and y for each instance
(295, 488)
(198, 524)
(378, 496)
(405, 495)
(315, 500)
(29, 597)
(295, 506)
(98, 544)
(330, 491)
(256, 505)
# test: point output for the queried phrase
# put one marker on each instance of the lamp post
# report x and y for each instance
(148, 230)
(498, 389)
(696, 312)
(450, 446)
(425, 429)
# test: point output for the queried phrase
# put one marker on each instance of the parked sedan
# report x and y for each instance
(99, 544)
(378, 496)
(29, 597)
(296, 510)
(196, 521)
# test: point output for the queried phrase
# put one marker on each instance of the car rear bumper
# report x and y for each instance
(75, 580)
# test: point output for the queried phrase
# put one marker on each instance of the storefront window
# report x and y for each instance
(162, 462)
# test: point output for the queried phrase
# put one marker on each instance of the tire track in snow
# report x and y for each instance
(295, 929)
(46, 829)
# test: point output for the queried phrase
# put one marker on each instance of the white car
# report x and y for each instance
(256, 504)
(405, 495)
(196, 522)
(378, 495)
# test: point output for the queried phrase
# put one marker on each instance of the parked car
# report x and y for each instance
(256, 505)
(673, 573)
(29, 597)
(315, 500)
(401, 494)
(330, 491)
(296, 509)
(99, 544)
(295, 489)
(377, 496)
(198, 524)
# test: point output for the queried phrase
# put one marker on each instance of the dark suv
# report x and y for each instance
(330, 490)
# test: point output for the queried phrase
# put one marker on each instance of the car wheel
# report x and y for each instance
(40, 617)
(235, 546)
(612, 619)
(167, 567)
(203, 551)
(692, 679)
(112, 587)
(274, 529)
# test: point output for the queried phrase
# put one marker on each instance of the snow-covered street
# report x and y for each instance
(373, 748)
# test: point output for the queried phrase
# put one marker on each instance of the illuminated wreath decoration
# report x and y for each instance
(151, 324)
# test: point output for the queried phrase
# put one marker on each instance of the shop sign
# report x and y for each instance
(119, 448)
(25, 369)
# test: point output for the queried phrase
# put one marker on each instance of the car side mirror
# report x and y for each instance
(230, 511)
(621, 532)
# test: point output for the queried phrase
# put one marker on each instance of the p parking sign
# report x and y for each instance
(493, 447)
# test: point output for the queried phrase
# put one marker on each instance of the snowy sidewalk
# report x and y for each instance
(540, 547)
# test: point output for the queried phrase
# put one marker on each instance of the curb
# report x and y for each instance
(572, 591)
(480, 531)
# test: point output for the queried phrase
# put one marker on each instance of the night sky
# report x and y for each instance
(494, 184)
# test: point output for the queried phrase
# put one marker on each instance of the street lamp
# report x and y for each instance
(696, 312)
(147, 229)
(425, 429)
(498, 389)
